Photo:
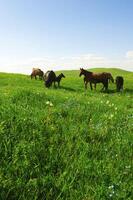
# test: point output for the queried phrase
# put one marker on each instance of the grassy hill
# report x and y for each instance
(65, 143)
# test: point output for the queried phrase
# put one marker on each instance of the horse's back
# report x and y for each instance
(37, 71)
(98, 77)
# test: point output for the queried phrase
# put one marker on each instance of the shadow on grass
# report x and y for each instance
(126, 90)
(109, 91)
(67, 88)
(62, 87)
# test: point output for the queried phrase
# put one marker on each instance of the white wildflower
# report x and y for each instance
(107, 102)
(47, 102)
(51, 104)
(128, 167)
(111, 187)
(111, 116)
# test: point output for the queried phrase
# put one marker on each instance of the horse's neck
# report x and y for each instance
(87, 73)
(58, 78)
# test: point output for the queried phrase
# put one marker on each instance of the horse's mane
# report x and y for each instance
(87, 71)
(58, 77)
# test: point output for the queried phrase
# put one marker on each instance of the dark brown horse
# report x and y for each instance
(58, 78)
(37, 72)
(49, 78)
(96, 78)
(109, 76)
(119, 83)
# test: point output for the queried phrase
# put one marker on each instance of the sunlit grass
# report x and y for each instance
(65, 143)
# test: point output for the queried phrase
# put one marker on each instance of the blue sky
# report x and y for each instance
(65, 34)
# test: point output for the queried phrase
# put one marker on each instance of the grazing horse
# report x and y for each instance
(95, 78)
(119, 83)
(109, 76)
(58, 78)
(49, 78)
(37, 72)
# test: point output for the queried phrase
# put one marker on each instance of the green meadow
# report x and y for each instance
(65, 143)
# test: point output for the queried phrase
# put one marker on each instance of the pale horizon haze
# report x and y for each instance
(65, 34)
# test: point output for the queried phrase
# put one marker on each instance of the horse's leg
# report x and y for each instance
(95, 86)
(91, 86)
(85, 85)
(106, 85)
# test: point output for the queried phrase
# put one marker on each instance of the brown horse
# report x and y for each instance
(109, 76)
(37, 72)
(96, 78)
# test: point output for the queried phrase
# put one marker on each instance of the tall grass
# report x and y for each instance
(65, 143)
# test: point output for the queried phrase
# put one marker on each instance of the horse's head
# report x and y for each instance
(111, 77)
(62, 75)
(81, 72)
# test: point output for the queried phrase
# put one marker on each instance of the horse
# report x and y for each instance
(37, 72)
(58, 78)
(119, 83)
(109, 76)
(49, 78)
(95, 78)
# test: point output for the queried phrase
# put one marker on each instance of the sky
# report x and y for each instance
(65, 34)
